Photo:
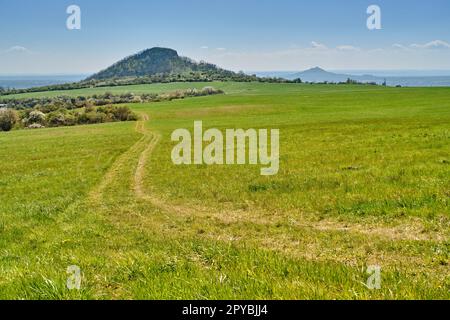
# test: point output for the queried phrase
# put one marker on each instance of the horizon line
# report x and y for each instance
(247, 71)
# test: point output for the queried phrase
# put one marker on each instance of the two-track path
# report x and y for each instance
(145, 147)
(227, 224)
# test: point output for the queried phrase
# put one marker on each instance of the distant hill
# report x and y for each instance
(156, 61)
(320, 75)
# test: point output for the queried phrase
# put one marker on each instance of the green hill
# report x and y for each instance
(157, 61)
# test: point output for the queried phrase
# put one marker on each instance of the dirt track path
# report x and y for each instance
(411, 231)
(145, 147)
(255, 227)
(96, 195)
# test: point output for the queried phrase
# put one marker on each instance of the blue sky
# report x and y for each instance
(236, 34)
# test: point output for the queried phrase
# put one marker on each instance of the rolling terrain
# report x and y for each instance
(364, 180)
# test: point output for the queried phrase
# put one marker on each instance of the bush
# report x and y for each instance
(56, 119)
(80, 118)
(35, 126)
(210, 91)
(132, 117)
(70, 120)
(95, 117)
(120, 113)
(37, 117)
(8, 118)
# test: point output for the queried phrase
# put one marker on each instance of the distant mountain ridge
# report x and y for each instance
(409, 78)
(320, 75)
(156, 61)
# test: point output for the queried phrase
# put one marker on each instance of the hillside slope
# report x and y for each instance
(157, 61)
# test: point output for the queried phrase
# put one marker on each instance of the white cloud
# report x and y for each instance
(204, 47)
(348, 48)
(317, 45)
(399, 46)
(16, 49)
(221, 49)
(436, 44)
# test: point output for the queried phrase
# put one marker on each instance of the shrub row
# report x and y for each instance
(35, 118)
(68, 111)
(51, 104)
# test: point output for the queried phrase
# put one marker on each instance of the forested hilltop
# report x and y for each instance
(156, 61)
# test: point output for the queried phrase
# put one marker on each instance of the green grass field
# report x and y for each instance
(364, 180)
(137, 89)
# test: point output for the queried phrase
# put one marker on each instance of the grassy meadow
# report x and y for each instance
(364, 180)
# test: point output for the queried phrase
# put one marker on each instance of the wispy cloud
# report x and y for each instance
(436, 44)
(399, 46)
(221, 49)
(16, 49)
(347, 48)
(204, 47)
(317, 45)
